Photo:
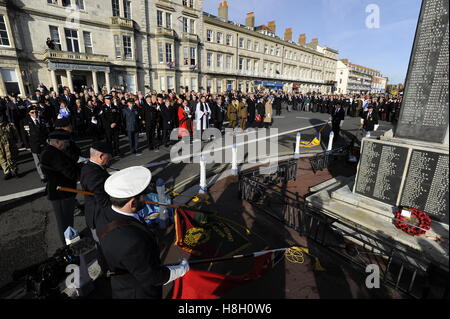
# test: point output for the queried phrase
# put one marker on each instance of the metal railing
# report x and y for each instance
(401, 268)
(76, 56)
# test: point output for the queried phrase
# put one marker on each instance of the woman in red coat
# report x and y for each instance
(184, 120)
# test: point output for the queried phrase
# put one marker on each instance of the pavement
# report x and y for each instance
(28, 227)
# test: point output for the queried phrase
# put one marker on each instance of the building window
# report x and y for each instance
(170, 83)
(115, 8)
(54, 35)
(266, 49)
(52, 1)
(228, 62)
(162, 83)
(265, 68)
(219, 86)
(66, 3)
(248, 65)
(160, 53)
(219, 37)
(4, 40)
(241, 64)
(117, 46)
(249, 45)
(159, 18)
(256, 66)
(87, 42)
(127, 50)
(185, 56)
(219, 61)
(127, 8)
(79, 4)
(188, 3)
(241, 43)
(193, 56)
(256, 47)
(208, 85)
(72, 40)
(169, 52)
(208, 59)
(194, 84)
(168, 20)
(192, 26)
(209, 35)
(229, 39)
(185, 25)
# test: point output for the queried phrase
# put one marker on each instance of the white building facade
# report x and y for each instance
(144, 45)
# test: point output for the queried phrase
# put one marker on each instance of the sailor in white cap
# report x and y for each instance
(129, 246)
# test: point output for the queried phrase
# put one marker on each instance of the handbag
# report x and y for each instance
(258, 118)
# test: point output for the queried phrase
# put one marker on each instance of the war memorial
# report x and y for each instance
(349, 218)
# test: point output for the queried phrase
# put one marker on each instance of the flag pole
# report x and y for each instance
(213, 260)
(72, 190)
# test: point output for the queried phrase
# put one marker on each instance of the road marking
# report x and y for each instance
(181, 158)
(21, 194)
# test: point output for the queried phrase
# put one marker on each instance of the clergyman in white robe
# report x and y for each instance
(202, 119)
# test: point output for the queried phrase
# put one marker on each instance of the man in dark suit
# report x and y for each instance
(129, 246)
(15, 115)
(35, 134)
(70, 100)
(111, 118)
(369, 121)
(131, 117)
(60, 170)
(150, 115)
(251, 102)
(337, 119)
(92, 179)
(166, 121)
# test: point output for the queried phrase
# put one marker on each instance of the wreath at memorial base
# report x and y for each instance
(412, 221)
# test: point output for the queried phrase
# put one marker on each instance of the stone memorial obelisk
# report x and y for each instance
(410, 168)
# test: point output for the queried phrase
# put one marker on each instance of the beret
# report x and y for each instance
(128, 182)
(59, 135)
(102, 147)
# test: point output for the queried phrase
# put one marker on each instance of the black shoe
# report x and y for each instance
(43, 180)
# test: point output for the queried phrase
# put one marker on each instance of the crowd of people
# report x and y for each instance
(105, 116)
(48, 123)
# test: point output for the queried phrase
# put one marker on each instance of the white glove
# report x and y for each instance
(178, 271)
(330, 119)
(362, 121)
(342, 123)
(376, 126)
(82, 159)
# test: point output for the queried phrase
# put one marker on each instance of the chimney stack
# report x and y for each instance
(288, 34)
(250, 20)
(315, 41)
(272, 27)
(223, 10)
(302, 39)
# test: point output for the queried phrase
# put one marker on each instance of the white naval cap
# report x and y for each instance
(128, 182)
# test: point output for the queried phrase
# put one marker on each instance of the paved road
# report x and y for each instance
(27, 224)
(287, 125)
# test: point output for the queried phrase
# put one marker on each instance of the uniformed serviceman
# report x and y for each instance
(369, 121)
(8, 148)
(34, 132)
(60, 170)
(243, 114)
(92, 179)
(111, 118)
(232, 111)
(129, 246)
(337, 119)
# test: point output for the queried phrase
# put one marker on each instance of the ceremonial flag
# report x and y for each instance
(315, 142)
(207, 235)
(198, 284)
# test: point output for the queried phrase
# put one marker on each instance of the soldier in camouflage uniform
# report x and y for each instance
(8, 148)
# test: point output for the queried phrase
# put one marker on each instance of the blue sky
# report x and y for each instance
(341, 25)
